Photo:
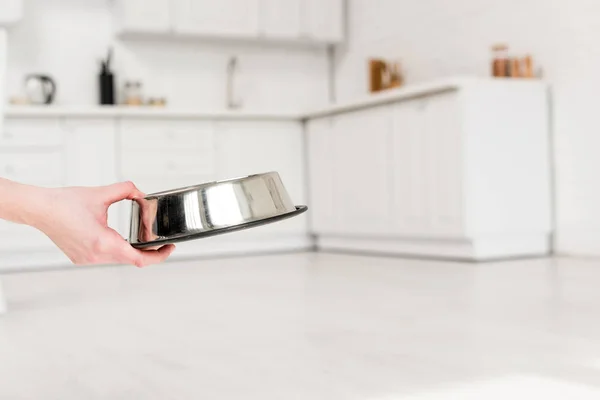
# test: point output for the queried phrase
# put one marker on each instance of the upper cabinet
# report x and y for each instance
(281, 19)
(323, 20)
(216, 18)
(303, 21)
(11, 12)
(144, 16)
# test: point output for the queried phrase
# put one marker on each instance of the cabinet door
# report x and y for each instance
(32, 132)
(427, 167)
(91, 159)
(151, 16)
(168, 150)
(361, 171)
(12, 12)
(217, 18)
(162, 155)
(40, 168)
(245, 148)
(323, 20)
(29, 157)
(320, 179)
(280, 19)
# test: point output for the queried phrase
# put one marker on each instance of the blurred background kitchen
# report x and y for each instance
(446, 152)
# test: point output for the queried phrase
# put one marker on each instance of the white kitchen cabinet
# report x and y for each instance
(281, 19)
(11, 13)
(3, 305)
(427, 167)
(167, 150)
(90, 151)
(245, 148)
(36, 132)
(157, 153)
(41, 169)
(303, 21)
(323, 20)
(32, 151)
(319, 147)
(18, 238)
(91, 158)
(143, 16)
(165, 154)
(457, 171)
(160, 155)
(156, 135)
(44, 168)
(349, 166)
(350, 172)
(361, 170)
(236, 18)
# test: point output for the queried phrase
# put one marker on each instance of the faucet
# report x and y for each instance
(231, 69)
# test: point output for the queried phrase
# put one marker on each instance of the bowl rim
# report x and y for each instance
(192, 188)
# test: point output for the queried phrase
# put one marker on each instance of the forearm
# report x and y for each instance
(20, 203)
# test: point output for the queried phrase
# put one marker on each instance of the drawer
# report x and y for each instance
(167, 135)
(44, 169)
(31, 132)
(154, 164)
(16, 237)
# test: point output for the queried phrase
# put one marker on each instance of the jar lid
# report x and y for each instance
(499, 47)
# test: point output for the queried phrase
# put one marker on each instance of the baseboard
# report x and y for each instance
(215, 247)
(232, 245)
(488, 249)
(512, 246)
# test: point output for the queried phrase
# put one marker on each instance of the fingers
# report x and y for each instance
(121, 191)
(143, 258)
(110, 247)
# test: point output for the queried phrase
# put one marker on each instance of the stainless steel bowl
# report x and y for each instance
(210, 209)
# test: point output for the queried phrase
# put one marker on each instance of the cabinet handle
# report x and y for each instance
(170, 165)
(8, 135)
(170, 135)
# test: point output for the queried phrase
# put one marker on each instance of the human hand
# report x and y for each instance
(75, 219)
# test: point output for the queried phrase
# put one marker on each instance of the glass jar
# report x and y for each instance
(500, 60)
(133, 93)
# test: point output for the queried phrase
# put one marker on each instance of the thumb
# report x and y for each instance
(121, 191)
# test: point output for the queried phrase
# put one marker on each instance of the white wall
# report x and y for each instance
(65, 38)
(436, 38)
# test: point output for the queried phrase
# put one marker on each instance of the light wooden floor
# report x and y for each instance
(305, 327)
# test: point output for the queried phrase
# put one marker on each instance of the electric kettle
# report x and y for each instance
(40, 89)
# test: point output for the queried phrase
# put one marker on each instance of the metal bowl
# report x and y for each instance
(210, 209)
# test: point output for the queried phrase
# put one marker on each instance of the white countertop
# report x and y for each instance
(389, 96)
(142, 112)
(414, 90)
